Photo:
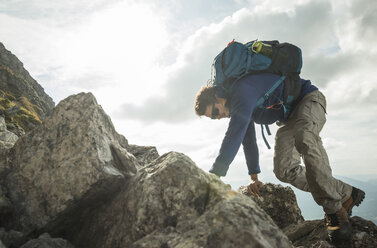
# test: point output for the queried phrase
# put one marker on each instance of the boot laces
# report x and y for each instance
(331, 220)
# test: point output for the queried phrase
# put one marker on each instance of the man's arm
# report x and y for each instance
(230, 146)
(251, 151)
(243, 103)
(252, 160)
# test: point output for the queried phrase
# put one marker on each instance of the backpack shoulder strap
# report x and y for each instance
(264, 136)
(269, 92)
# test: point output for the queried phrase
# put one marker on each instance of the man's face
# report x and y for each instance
(217, 111)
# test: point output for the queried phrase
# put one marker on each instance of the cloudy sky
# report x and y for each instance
(145, 60)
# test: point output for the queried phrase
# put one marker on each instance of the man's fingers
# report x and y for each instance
(258, 187)
(253, 190)
(250, 190)
(257, 191)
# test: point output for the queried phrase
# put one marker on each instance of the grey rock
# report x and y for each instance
(15, 129)
(279, 203)
(12, 110)
(4, 168)
(364, 232)
(5, 204)
(7, 138)
(2, 245)
(45, 241)
(173, 203)
(12, 238)
(306, 233)
(143, 154)
(314, 234)
(322, 244)
(71, 163)
(3, 126)
(16, 79)
(7, 141)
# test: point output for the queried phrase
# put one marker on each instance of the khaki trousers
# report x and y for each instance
(299, 137)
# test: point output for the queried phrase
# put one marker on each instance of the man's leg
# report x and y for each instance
(287, 159)
(310, 118)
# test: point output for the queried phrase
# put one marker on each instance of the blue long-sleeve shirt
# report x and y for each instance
(243, 114)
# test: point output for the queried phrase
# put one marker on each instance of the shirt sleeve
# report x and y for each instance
(242, 106)
(251, 151)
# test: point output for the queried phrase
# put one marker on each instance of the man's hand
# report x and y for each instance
(255, 185)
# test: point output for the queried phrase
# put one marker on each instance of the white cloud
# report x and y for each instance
(112, 51)
(193, 65)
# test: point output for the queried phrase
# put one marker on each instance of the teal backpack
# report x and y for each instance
(238, 60)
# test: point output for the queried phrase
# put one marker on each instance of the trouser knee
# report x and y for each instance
(286, 175)
(304, 140)
(280, 175)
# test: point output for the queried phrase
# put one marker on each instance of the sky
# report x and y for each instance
(145, 61)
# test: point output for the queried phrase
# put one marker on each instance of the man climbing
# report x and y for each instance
(297, 136)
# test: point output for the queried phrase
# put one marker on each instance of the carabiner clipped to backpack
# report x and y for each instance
(260, 47)
(256, 46)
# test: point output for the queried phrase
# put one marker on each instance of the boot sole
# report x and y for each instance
(360, 195)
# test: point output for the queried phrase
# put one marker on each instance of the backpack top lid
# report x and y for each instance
(236, 61)
(230, 63)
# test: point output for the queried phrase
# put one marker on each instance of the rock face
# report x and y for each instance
(172, 203)
(74, 178)
(279, 203)
(23, 102)
(75, 157)
(7, 141)
(314, 234)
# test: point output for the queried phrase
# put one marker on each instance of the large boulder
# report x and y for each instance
(279, 203)
(173, 203)
(74, 177)
(71, 163)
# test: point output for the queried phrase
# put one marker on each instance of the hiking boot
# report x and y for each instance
(338, 226)
(357, 196)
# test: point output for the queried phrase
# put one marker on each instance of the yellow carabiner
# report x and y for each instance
(256, 47)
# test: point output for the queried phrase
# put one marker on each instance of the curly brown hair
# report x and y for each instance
(205, 97)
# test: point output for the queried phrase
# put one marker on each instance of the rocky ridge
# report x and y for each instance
(72, 181)
(23, 102)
